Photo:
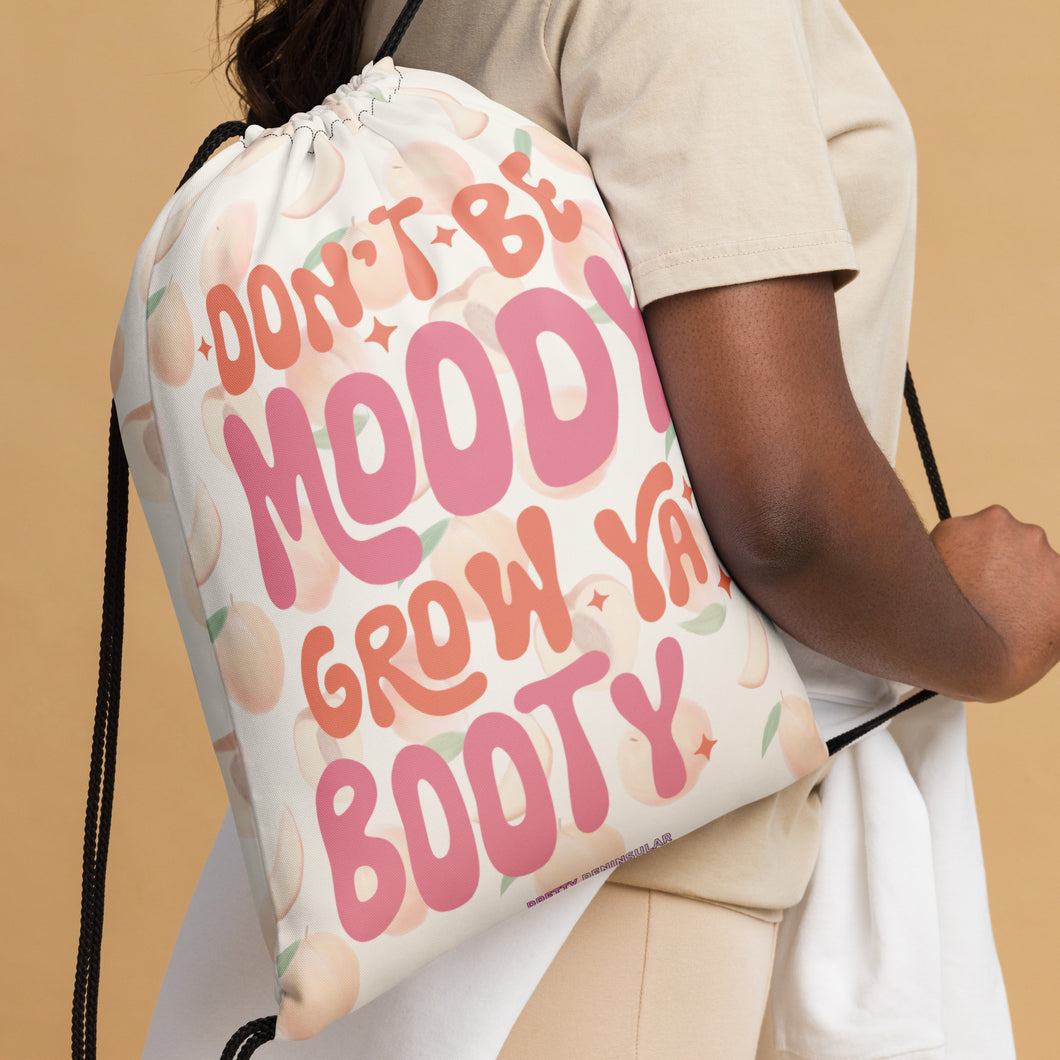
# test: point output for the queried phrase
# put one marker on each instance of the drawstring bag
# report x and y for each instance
(458, 630)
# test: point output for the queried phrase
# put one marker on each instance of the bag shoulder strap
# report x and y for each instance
(397, 31)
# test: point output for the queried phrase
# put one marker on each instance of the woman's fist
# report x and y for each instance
(1011, 576)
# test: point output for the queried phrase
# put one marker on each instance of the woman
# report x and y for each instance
(761, 176)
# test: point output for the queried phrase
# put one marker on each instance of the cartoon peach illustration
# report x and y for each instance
(510, 786)
(143, 448)
(234, 772)
(254, 152)
(410, 724)
(204, 549)
(315, 567)
(117, 360)
(414, 726)
(343, 111)
(313, 375)
(377, 268)
(800, 741)
(249, 656)
(218, 404)
(145, 274)
(603, 618)
(189, 589)
(285, 876)
(467, 122)
(170, 341)
(757, 665)
(694, 738)
(174, 225)
(315, 749)
(204, 540)
(464, 537)
(413, 909)
(555, 150)
(577, 852)
(266, 918)
(320, 985)
(227, 247)
(596, 239)
(475, 304)
(429, 171)
(329, 167)
(568, 402)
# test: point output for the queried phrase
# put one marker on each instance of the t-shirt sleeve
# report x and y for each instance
(700, 120)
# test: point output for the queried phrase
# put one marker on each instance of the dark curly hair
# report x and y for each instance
(289, 54)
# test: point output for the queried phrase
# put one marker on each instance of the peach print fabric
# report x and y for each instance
(459, 634)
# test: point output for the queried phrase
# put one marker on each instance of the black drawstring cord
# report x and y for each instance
(393, 38)
(105, 730)
(938, 494)
(927, 455)
(249, 1037)
(225, 131)
(104, 749)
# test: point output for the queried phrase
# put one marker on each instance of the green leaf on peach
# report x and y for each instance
(429, 540)
(432, 535)
(216, 622)
(772, 724)
(152, 302)
(506, 882)
(313, 257)
(285, 958)
(360, 421)
(671, 437)
(447, 744)
(523, 143)
(597, 313)
(708, 621)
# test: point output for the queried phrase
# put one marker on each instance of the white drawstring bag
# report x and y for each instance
(459, 634)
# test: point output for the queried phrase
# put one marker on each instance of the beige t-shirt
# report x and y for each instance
(732, 140)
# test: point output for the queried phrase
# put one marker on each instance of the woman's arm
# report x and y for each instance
(811, 519)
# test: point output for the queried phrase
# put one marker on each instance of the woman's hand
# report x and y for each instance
(1011, 576)
(810, 518)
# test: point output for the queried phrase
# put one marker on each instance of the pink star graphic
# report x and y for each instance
(204, 348)
(381, 334)
(686, 493)
(724, 582)
(444, 235)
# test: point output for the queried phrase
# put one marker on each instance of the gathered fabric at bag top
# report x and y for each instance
(458, 631)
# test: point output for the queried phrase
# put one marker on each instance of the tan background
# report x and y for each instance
(106, 104)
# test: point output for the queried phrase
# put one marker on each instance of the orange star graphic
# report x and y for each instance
(686, 493)
(598, 600)
(705, 747)
(204, 348)
(444, 235)
(381, 333)
(724, 582)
